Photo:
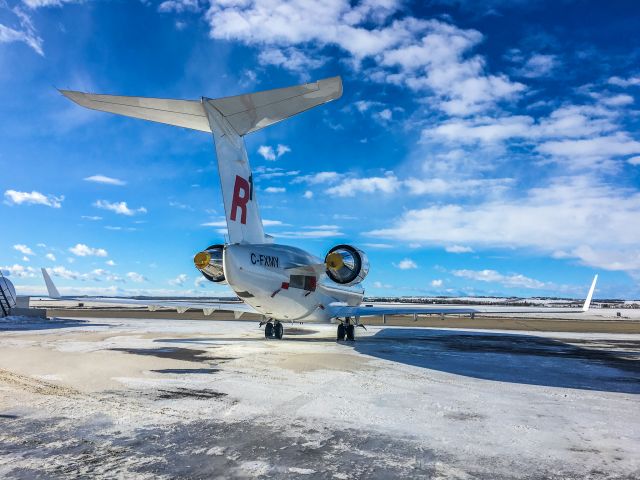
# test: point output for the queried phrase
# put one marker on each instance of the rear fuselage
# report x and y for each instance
(283, 282)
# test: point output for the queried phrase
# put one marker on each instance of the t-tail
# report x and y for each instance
(229, 119)
(587, 302)
(51, 288)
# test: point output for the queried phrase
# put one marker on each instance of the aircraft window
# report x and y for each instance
(303, 282)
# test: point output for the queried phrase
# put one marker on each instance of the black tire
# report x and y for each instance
(278, 331)
(341, 332)
(268, 330)
(351, 332)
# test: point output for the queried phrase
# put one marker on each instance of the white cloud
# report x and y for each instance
(617, 100)
(585, 219)
(436, 283)
(111, 263)
(136, 277)
(423, 55)
(93, 218)
(179, 280)
(572, 121)
(23, 249)
(385, 114)
(308, 194)
(120, 208)
(50, 256)
(271, 154)
(377, 245)
(317, 178)
(591, 151)
(216, 223)
(353, 186)
(486, 130)
(19, 271)
(625, 82)
(269, 172)
(46, 3)
(634, 160)
(274, 223)
(538, 65)
(25, 33)
(63, 272)
(458, 249)
(513, 280)
(292, 59)
(318, 231)
(14, 197)
(364, 105)
(275, 189)
(200, 282)
(282, 149)
(179, 6)
(456, 187)
(267, 152)
(82, 250)
(104, 179)
(406, 264)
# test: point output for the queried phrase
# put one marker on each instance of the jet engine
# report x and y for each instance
(346, 265)
(209, 262)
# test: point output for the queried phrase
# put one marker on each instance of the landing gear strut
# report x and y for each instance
(346, 330)
(273, 329)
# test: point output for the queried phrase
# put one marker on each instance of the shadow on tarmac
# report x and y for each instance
(600, 365)
(586, 364)
(9, 324)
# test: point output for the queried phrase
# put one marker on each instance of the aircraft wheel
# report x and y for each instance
(351, 332)
(341, 332)
(278, 330)
(268, 330)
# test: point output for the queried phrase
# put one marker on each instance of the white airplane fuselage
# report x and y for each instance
(279, 281)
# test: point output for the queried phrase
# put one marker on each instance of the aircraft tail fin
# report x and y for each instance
(51, 288)
(587, 301)
(228, 119)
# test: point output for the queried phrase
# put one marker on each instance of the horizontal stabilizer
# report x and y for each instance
(254, 111)
(245, 113)
(181, 113)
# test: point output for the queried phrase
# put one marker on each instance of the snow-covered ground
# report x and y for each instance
(209, 399)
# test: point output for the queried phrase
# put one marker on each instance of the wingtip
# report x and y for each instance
(72, 95)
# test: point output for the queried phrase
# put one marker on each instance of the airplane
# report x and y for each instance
(280, 282)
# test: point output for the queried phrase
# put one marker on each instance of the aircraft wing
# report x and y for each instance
(376, 309)
(181, 306)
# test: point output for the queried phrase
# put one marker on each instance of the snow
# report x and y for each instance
(205, 396)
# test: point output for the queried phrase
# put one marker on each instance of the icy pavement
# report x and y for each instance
(207, 399)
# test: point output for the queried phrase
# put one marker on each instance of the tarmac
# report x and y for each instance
(166, 398)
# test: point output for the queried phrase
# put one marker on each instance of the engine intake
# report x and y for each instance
(346, 265)
(209, 262)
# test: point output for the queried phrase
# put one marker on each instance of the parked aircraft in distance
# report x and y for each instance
(283, 283)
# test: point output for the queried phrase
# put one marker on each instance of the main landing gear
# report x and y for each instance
(346, 330)
(273, 329)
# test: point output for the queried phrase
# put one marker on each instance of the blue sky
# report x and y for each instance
(480, 148)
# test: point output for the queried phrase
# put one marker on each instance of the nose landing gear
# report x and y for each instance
(273, 329)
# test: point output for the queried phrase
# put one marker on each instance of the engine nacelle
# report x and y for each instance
(209, 262)
(346, 265)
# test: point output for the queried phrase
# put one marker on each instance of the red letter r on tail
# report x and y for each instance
(240, 201)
